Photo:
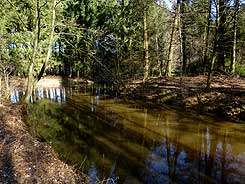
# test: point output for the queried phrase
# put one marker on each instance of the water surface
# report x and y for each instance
(110, 137)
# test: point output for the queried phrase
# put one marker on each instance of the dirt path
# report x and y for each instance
(23, 159)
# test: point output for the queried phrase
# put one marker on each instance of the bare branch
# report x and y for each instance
(42, 5)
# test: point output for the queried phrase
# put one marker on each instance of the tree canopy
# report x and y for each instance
(117, 40)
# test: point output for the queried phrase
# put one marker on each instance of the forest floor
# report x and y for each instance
(23, 159)
(225, 98)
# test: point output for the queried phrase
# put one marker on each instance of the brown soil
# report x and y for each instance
(226, 98)
(23, 159)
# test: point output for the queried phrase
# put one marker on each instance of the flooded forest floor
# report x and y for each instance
(225, 98)
(24, 159)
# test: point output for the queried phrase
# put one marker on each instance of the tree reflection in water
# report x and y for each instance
(215, 164)
(166, 166)
(93, 174)
(132, 144)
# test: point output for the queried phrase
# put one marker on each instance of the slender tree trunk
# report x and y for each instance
(221, 40)
(50, 42)
(182, 49)
(213, 58)
(146, 47)
(158, 69)
(168, 70)
(206, 35)
(34, 51)
(233, 61)
(183, 33)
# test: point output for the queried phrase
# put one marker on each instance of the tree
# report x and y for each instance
(221, 26)
(7, 65)
(158, 37)
(36, 35)
(50, 41)
(233, 60)
(146, 47)
(207, 32)
(184, 15)
(168, 71)
(213, 58)
(121, 40)
(6, 68)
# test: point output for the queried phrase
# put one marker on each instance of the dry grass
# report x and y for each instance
(23, 159)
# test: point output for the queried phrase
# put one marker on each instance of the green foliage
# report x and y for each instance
(17, 28)
(240, 69)
(104, 39)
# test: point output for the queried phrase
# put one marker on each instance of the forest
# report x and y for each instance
(116, 41)
(136, 91)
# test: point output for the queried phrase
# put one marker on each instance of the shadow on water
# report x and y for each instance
(107, 138)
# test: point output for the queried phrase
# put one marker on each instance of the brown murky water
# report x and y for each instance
(109, 137)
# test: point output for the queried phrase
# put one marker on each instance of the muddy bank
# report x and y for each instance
(225, 99)
(23, 159)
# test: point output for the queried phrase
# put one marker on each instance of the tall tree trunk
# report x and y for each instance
(158, 69)
(182, 48)
(183, 33)
(213, 58)
(221, 40)
(146, 47)
(206, 34)
(34, 51)
(168, 70)
(50, 42)
(233, 61)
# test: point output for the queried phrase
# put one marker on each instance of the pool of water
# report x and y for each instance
(108, 137)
